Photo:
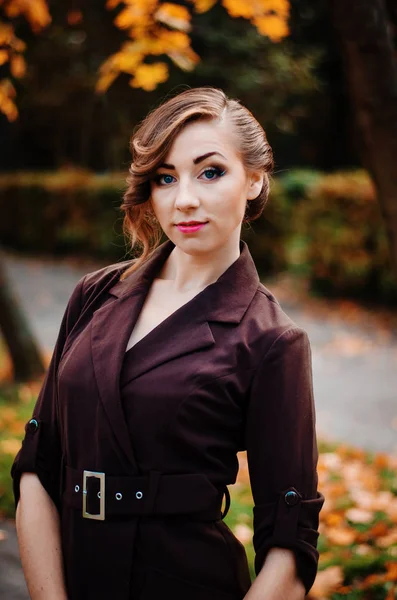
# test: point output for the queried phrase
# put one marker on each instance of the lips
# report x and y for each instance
(191, 223)
(190, 226)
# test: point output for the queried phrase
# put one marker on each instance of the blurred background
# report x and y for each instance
(75, 80)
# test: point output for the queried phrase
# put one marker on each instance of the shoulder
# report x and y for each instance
(268, 312)
(96, 282)
(267, 322)
(109, 273)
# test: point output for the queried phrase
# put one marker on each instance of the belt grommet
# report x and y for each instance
(76, 488)
(139, 495)
(99, 495)
(119, 496)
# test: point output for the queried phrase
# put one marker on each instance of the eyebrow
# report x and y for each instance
(196, 160)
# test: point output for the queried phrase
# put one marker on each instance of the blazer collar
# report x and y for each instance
(225, 300)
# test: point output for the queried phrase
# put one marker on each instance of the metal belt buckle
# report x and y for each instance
(101, 477)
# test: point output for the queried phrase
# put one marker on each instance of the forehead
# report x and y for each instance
(200, 137)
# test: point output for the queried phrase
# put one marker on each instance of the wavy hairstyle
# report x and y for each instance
(152, 141)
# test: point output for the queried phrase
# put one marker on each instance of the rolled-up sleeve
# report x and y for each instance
(41, 450)
(282, 454)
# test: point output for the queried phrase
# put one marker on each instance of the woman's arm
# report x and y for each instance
(277, 580)
(36, 474)
(282, 455)
(38, 529)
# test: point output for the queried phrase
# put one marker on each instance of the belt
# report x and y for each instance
(100, 496)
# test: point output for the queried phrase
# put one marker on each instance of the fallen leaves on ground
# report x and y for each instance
(327, 581)
(358, 523)
(380, 322)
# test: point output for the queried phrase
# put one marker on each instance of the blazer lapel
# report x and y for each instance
(111, 327)
(109, 336)
(188, 329)
(184, 331)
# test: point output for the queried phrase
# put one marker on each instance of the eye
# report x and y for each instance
(163, 179)
(213, 173)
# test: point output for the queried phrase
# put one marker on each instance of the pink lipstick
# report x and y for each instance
(190, 226)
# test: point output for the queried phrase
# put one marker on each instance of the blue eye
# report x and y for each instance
(213, 173)
(163, 179)
(167, 178)
(209, 174)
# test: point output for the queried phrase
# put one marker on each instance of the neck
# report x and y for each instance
(189, 272)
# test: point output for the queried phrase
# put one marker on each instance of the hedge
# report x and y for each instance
(325, 227)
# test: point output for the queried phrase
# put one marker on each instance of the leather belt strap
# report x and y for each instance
(153, 494)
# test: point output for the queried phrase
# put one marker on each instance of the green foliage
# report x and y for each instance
(355, 595)
(6, 496)
(360, 566)
(16, 403)
(343, 244)
(324, 227)
(69, 212)
(329, 229)
(241, 512)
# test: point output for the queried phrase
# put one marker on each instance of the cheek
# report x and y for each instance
(160, 204)
(229, 199)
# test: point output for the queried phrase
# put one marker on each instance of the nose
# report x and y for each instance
(186, 196)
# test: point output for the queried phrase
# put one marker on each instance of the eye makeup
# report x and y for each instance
(218, 171)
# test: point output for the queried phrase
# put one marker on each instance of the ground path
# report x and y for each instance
(354, 353)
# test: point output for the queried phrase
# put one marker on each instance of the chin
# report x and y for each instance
(195, 246)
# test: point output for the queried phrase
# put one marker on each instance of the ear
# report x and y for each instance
(255, 183)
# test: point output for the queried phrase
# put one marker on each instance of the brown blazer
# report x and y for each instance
(226, 372)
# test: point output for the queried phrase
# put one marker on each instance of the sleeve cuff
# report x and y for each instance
(30, 459)
(291, 522)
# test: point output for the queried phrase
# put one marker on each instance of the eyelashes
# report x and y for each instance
(157, 178)
(218, 171)
(215, 172)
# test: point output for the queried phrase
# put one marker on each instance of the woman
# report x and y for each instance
(165, 367)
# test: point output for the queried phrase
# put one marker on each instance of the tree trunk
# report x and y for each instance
(369, 57)
(25, 355)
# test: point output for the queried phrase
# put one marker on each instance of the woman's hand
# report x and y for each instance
(277, 580)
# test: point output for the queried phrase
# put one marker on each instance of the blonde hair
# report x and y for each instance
(152, 141)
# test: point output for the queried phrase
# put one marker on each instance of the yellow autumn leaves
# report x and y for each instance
(154, 27)
(34, 11)
(162, 28)
(131, 56)
(38, 17)
(269, 16)
(358, 521)
(14, 417)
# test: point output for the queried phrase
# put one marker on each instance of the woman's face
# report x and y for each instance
(199, 194)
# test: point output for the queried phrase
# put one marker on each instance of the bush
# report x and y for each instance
(68, 212)
(272, 236)
(329, 229)
(325, 227)
(339, 239)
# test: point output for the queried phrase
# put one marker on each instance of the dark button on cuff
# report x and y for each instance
(285, 531)
(32, 426)
(291, 498)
